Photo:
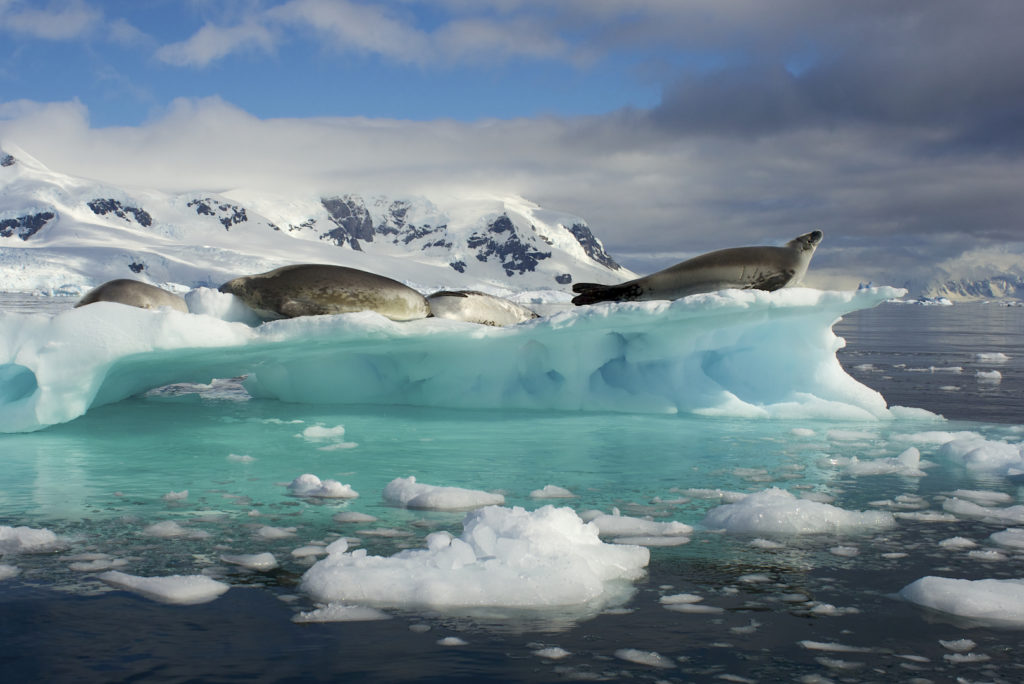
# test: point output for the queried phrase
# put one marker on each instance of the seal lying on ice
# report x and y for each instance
(317, 289)
(133, 293)
(745, 268)
(477, 307)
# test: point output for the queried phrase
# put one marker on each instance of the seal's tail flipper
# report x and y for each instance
(591, 293)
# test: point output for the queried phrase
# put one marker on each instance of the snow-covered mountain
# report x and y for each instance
(977, 275)
(60, 233)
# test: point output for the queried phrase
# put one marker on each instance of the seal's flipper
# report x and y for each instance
(591, 293)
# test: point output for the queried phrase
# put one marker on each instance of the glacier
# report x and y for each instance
(731, 353)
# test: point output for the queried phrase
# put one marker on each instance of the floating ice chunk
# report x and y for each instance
(261, 562)
(405, 491)
(320, 433)
(966, 657)
(353, 517)
(992, 357)
(992, 377)
(983, 496)
(169, 529)
(28, 540)
(309, 551)
(505, 557)
(271, 532)
(833, 647)
(766, 544)
(552, 653)
(628, 526)
(551, 492)
(176, 496)
(987, 555)
(178, 589)
(721, 494)
(926, 516)
(851, 435)
(8, 571)
(337, 612)
(907, 464)
(1011, 537)
(650, 540)
(674, 599)
(241, 458)
(776, 511)
(957, 544)
(452, 641)
(958, 645)
(845, 551)
(97, 564)
(984, 455)
(652, 658)
(310, 485)
(986, 601)
(802, 432)
(828, 610)
(961, 508)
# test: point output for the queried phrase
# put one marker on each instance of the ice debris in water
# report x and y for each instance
(337, 612)
(8, 571)
(731, 353)
(310, 485)
(407, 492)
(992, 377)
(776, 511)
(992, 357)
(982, 455)
(169, 529)
(651, 658)
(1013, 515)
(1012, 538)
(505, 557)
(175, 496)
(630, 530)
(179, 589)
(27, 540)
(908, 464)
(991, 602)
(551, 492)
(261, 562)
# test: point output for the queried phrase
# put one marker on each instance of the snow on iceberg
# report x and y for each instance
(776, 511)
(734, 352)
(990, 602)
(506, 558)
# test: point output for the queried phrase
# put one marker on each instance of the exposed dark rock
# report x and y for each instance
(563, 279)
(459, 266)
(137, 267)
(102, 207)
(25, 226)
(592, 246)
(352, 219)
(228, 214)
(515, 255)
(6, 159)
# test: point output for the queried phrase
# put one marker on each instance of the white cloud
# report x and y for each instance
(213, 42)
(58, 21)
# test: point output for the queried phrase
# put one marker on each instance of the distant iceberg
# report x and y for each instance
(732, 353)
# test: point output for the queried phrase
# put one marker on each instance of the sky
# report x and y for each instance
(672, 126)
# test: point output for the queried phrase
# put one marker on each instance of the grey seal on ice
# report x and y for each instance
(133, 293)
(318, 289)
(477, 307)
(745, 268)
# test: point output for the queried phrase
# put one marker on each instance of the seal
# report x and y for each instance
(744, 268)
(320, 289)
(133, 293)
(477, 307)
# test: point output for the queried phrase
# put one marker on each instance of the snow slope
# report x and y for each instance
(65, 234)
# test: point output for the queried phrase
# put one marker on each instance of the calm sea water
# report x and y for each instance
(101, 479)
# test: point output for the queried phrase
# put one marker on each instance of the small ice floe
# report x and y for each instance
(452, 641)
(309, 485)
(991, 357)
(261, 562)
(271, 532)
(24, 539)
(958, 645)
(346, 517)
(992, 377)
(241, 458)
(176, 496)
(405, 491)
(851, 436)
(1012, 538)
(177, 589)
(961, 508)
(958, 544)
(987, 555)
(552, 492)
(844, 551)
(983, 497)
(991, 602)
(99, 564)
(337, 612)
(331, 437)
(819, 609)
(722, 495)
(651, 658)
(978, 454)
(169, 529)
(802, 432)
(552, 653)
(766, 544)
(8, 571)
(776, 511)
(505, 557)
(908, 464)
(688, 603)
(625, 529)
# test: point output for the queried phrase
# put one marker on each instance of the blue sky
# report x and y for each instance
(672, 126)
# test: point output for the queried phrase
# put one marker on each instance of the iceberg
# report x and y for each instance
(742, 353)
